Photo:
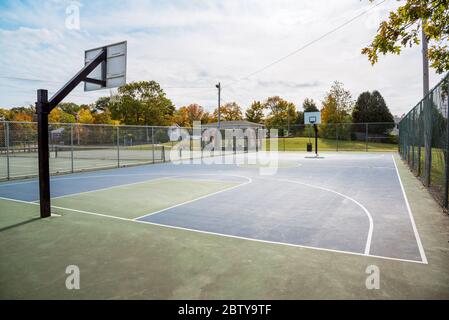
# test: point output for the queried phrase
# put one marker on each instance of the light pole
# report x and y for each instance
(218, 86)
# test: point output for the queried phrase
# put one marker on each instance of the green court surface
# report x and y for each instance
(120, 258)
(138, 199)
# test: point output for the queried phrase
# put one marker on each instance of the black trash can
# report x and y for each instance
(309, 147)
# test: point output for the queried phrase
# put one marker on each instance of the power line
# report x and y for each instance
(307, 44)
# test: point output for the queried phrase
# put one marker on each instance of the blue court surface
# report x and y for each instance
(352, 203)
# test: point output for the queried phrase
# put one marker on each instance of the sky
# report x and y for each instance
(188, 46)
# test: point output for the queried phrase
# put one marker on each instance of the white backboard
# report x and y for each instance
(115, 66)
(312, 117)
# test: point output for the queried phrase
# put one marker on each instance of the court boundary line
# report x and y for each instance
(249, 180)
(112, 187)
(225, 235)
(367, 213)
(412, 219)
(154, 180)
(66, 177)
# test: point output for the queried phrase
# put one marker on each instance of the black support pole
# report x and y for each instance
(316, 139)
(42, 110)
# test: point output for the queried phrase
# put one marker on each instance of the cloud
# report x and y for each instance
(188, 46)
(287, 84)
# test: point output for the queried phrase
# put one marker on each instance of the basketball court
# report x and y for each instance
(351, 203)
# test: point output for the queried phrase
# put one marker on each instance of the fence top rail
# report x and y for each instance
(175, 127)
(94, 124)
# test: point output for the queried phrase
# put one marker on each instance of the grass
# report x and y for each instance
(300, 144)
(437, 171)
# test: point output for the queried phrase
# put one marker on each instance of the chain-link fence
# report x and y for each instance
(423, 140)
(79, 147)
(339, 137)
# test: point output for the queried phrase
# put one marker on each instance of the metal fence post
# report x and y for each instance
(8, 173)
(446, 158)
(152, 141)
(71, 147)
(420, 133)
(409, 126)
(413, 138)
(336, 136)
(428, 138)
(118, 147)
(191, 146)
(366, 137)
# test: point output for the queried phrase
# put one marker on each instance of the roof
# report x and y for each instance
(233, 124)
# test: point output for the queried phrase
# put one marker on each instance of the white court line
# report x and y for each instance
(113, 187)
(351, 167)
(61, 178)
(415, 229)
(227, 235)
(249, 180)
(239, 237)
(19, 201)
(138, 182)
(370, 218)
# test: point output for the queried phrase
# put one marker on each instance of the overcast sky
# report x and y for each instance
(188, 46)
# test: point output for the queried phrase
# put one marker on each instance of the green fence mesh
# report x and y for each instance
(369, 137)
(423, 140)
(78, 147)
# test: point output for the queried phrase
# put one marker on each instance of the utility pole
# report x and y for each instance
(427, 110)
(218, 86)
(425, 61)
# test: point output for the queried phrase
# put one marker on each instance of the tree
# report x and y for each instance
(185, 116)
(371, 107)
(338, 104)
(55, 115)
(4, 114)
(207, 118)
(142, 103)
(194, 113)
(230, 111)
(299, 118)
(85, 116)
(22, 114)
(104, 117)
(59, 116)
(102, 104)
(337, 108)
(282, 113)
(403, 30)
(21, 117)
(255, 113)
(67, 118)
(309, 105)
(181, 118)
(69, 107)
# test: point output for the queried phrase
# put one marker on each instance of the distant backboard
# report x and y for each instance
(312, 117)
(113, 71)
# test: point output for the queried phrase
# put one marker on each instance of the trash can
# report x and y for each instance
(309, 147)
